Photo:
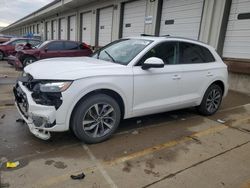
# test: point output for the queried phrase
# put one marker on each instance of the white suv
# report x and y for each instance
(127, 78)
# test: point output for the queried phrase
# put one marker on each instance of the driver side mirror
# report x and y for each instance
(153, 62)
(46, 49)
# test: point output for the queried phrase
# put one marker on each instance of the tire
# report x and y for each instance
(28, 60)
(96, 128)
(211, 100)
(1, 55)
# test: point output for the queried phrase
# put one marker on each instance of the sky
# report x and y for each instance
(13, 10)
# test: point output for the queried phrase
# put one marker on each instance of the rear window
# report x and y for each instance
(192, 53)
(71, 46)
(54, 46)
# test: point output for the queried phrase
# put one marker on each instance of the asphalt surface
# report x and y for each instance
(173, 149)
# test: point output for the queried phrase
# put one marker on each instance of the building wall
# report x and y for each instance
(219, 27)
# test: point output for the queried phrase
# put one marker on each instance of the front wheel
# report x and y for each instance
(28, 60)
(96, 118)
(211, 100)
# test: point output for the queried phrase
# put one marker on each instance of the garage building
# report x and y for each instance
(224, 24)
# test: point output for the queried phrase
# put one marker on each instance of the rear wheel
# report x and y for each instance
(28, 60)
(1, 55)
(96, 118)
(211, 100)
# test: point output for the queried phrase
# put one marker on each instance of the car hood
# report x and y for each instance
(71, 68)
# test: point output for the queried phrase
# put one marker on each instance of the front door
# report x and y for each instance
(157, 89)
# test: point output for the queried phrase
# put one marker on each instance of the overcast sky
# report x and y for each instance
(12, 10)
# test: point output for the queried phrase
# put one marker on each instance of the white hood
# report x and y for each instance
(71, 68)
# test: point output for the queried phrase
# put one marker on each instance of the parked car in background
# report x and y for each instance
(9, 48)
(128, 78)
(4, 39)
(50, 49)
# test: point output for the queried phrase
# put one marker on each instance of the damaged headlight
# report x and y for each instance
(53, 87)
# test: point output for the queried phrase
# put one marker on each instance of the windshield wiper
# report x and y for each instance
(110, 56)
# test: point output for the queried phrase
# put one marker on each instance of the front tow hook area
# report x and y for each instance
(42, 134)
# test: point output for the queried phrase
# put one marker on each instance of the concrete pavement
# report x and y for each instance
(173, 149)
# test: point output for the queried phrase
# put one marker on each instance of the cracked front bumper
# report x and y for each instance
(41, 119)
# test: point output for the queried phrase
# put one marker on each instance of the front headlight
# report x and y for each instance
(52, 87)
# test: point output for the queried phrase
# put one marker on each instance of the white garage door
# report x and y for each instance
(237, 41)
(134, 18)
(72, 28)
(86, 27)
(54, 30)
(181, 18)
(63, 29)
(48, 30)
(105, 26)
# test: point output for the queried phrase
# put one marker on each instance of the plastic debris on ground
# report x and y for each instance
(138, 121)
(12, 164)
(221, 121)
(20, 120)
(78, 176)
(135, 132)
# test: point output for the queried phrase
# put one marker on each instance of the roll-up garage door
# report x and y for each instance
(105, 26)
(48, 30)
(72, 28)
(63, 29)
(86, 27)
(237, 41)
(134, 18)
(54, 30)
(181, 18)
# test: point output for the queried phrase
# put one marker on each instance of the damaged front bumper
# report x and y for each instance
(41, 119)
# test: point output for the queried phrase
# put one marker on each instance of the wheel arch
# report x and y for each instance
(220, 84)
(115, 95)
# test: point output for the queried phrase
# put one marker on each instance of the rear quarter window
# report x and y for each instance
(71, 46)
(191, 53)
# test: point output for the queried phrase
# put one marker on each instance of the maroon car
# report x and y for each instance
(50, 49)
(9, 48)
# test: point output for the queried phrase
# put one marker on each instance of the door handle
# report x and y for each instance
(209, 74)
(176, 77)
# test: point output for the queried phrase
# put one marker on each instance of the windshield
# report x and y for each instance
(121, 51)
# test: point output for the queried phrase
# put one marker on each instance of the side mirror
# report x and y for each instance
(46, 49)
(153, 62)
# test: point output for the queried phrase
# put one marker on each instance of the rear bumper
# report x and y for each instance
(41, 119)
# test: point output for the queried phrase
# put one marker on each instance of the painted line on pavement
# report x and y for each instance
(99, 167)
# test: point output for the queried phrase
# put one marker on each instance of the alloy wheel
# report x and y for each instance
(213, 100)
(99, 120)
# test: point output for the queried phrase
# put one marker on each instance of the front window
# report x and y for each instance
(122, 51)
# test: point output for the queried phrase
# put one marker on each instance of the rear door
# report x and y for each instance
(53, 49)
(198, 66)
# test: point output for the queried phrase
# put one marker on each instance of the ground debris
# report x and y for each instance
(221, 121)
(3, 116)
(12, 164)
(20, 120)
(135, 132)
(78, 176)
(138, 121)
